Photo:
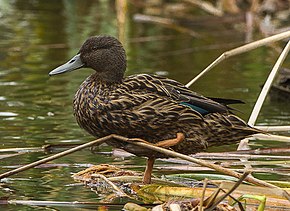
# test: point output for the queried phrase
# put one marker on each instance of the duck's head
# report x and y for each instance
(105, 54)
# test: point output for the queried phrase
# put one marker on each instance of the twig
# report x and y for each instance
(267, 85)
(256, 110)
(206, 6)
(23, 150)
(273, 128)
(166, 22)
(205, 181)
(122, 10)
(243, 145)
(218, 168)
(235, 186)
(240, 50)
(170, 153)
(263, 151)
(233, 155)
(271, 137)
(118, 190)
(282, 170)
(248, 189)
(62, 203)
(53, 157)
(139, 179)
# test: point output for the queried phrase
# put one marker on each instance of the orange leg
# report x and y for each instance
(148, 171)
(171, 142)
(150, 162)
(165, 143)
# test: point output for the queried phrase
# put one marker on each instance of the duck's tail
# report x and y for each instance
(226, 129)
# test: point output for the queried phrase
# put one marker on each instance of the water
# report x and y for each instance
(35, 110)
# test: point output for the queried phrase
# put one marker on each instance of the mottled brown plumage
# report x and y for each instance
(145, 106)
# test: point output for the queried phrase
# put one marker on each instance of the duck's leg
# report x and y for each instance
(165, 143)
(148, 170)
(171, 142)
(150, 162)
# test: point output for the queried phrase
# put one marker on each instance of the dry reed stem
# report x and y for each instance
(122, 9)
(234, 187)
(271, 137)
(73, 204)
(166, 22)
(132, 179)
(273, 128)
(53, 157)
(206, 6)
(267, 85)
(236, 155)
(239, 50)
(119, 192)
(229, 172)
(170, 153)
(205, 181)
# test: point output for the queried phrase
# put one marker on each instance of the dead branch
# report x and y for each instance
(239, 50)
(267, 85)
(170, 153)
(56, 156)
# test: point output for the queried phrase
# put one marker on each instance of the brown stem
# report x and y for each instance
(170, 153)
(53, 157)
(218, 168)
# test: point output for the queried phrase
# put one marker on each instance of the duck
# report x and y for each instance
(153, 108)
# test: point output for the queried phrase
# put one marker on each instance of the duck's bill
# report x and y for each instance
(73, 64)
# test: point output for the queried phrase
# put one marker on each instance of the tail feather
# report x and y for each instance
(226, 101)
(225, 129)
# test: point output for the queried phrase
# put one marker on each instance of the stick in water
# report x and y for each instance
(239, 50)
(267, 85)
(53, 157)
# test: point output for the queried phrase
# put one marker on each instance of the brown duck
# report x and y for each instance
(145, 106)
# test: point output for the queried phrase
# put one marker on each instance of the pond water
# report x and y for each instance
(36, 110)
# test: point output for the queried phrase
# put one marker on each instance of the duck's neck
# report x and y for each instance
(107, 78)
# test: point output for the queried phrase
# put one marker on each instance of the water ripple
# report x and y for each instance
(10, 83)
(8, 114)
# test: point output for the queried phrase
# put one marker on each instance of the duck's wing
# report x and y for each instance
(139, 107)
(148, 110)
(183, 95)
